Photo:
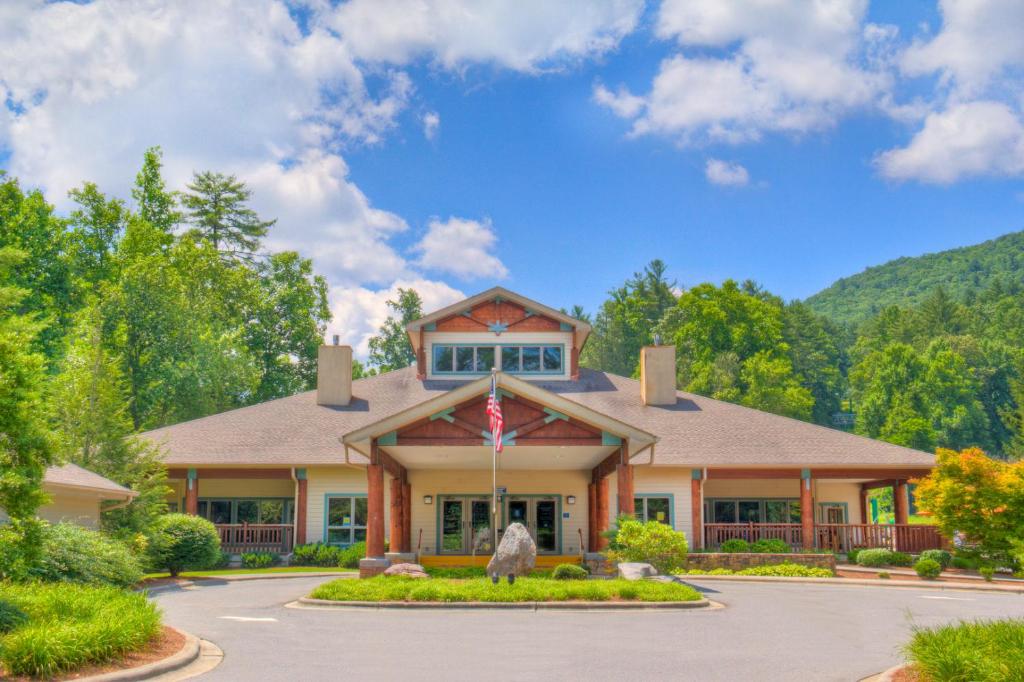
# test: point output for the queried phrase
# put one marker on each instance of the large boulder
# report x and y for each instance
(516, 555)
(636, 570)
(407, 570)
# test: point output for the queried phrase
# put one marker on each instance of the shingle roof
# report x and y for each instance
(695, 432)
(75, 476)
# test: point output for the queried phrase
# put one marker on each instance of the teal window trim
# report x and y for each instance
(454, 372)
(671, 505)
(289, 504)
(762, 511)
(327, 498)
(542, 346)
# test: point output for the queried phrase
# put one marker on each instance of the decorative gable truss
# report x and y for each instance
(526, 423)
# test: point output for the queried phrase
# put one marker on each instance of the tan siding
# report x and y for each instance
(839, 491)
(332, 480)
(675, 482)
(80, 508)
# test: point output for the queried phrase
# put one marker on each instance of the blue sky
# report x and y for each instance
(570, 144)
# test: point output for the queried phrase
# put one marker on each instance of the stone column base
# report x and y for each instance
(401, 557)
(370, 567)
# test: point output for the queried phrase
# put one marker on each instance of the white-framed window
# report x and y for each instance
(463, 359)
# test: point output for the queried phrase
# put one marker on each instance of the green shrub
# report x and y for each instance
(70, 626)
(71, 553)
(884, 575)
(987, 651)
(873, 558)
(900, 559)
(259, 559)
(851, 555)
(987, 572)
(569, 572)
(965, 563)
(941, 556)
(223, 561)
(350, 556)
(456, 572)
(652, 542)
(10, 616)
(787, 570)
(734, 545)
(928, 568)
(316, 554)
(181, 542)
(770, 546)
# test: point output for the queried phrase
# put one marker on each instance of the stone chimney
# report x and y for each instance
(334, 375)
(658, 375)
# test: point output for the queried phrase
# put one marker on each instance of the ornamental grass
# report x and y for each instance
(396, 588)
(69, 626)
(979, 651)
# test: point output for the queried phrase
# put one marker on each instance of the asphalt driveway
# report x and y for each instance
(767, 632)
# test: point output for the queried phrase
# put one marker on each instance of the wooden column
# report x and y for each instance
(625, 482)
(397, 525)
(301, 495)
(696, 511)
(900, 502)
(375, 504)
(807, 509)
(602, 512)
(592, 517)
(192, 492)
(406, 516)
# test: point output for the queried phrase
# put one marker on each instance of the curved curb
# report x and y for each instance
(886, 675)
(914, 584)
(187, 655)
(185, 583)
(307, 602)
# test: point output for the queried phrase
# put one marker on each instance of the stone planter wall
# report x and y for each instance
(737, 561)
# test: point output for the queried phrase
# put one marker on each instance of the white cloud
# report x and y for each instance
(784, 65)
(460, 247)
(979, 41)
(359, 312)
(525, 36)
(977, 138)
(431, 124)
(726, 173)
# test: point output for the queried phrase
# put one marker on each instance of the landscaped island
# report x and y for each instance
(531, 589)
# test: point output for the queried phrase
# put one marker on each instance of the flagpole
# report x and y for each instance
(494, 465)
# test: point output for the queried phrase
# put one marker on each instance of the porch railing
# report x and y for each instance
(237, 538)
(838, 537)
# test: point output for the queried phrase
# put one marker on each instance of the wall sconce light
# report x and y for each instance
(571, 499)
(428, 499)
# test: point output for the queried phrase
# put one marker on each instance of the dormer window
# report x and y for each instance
(463, 359)
(529, 359)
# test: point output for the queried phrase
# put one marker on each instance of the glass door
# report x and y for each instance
(466, 525)
(540, 516)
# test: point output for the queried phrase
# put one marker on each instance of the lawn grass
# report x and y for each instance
(383, 588)
(979, 651)
(247, 571)
(70, 626)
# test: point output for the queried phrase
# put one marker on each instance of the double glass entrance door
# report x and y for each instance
(466, 525)
(540, 516)
(466, 522)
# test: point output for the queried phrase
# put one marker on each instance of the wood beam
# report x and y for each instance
(901, 502)
(301, 497)
(696, 514)
(390, 464)
(807, 511)
(880, 483)
(396, 526)
(602, 512)
(607, 465)
(406, 516)
(735, 474)
(624, 488)
(592, 517)
(865, 472)
(375, 503)
(192, 492)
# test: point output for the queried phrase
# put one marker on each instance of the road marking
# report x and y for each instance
(246, 619)
(925, 596)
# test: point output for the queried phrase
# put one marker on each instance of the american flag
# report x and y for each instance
(496, 423)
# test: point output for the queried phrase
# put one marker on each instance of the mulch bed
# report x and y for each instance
(908, 674)
(168, 643)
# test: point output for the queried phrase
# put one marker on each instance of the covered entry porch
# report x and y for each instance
(808, 508)
(434, 466)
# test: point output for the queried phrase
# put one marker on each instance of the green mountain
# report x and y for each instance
(906, 281)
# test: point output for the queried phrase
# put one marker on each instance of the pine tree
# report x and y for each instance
(153, 203)
(217, 210)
